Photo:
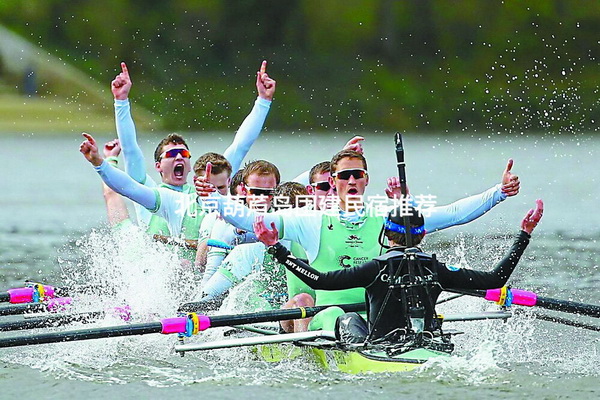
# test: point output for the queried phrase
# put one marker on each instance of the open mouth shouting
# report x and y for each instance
(178, 170)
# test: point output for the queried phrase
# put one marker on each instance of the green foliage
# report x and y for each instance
(347, 65)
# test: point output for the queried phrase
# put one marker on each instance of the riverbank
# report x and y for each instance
(25, 115)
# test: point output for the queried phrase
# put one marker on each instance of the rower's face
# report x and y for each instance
(173, 170)
(221, 182)
(351, 187)
(258, 190)
(321, 188)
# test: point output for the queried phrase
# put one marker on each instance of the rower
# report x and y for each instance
(259, 180)
(268, 287)
(346, 235)
(172, 156)
(402, 286)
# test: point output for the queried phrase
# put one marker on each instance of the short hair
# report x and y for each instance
(171, 138)
(218, 161)
(320, 168)
(261, 167)
(346, 154)
(236, 179)
(291, 190)
(415, 219)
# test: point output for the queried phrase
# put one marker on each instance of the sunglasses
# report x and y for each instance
(256, 191)
(345, 174)
(323, 185)
(185, 153)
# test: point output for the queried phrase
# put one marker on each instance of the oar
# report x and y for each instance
(453, 297)
(191, 244)
(564, 321)
(272, 337)
(188, 325)
(32, 293)
(506, 296)
(50, 321)
(54, 320)
(52, 305)
(185, 243)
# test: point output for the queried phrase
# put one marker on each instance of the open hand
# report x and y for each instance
(510, 182)
(121, 85)
(202, 183)
(533, 217)
(264, 84)
(89, 149)
(264, 234)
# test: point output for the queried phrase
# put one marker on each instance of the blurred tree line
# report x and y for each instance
(344, 65)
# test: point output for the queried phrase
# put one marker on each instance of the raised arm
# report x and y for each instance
(470, 208)
(253, 124)
(132, 154)
(116, 209)
(116, 179)
(470, 279)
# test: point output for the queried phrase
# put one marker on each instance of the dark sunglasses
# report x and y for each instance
(323, 185)
(256, 191)
(345, 174)
(185, 153)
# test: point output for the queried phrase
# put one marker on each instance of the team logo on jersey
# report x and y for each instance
(342, 261)
(354, 241)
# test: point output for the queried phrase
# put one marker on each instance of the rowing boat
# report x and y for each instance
(404, 353)
(353, 360)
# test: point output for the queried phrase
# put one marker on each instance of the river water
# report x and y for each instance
(52, 229)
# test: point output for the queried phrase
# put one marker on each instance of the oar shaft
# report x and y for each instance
(530, 299)
(23, 308)
(83, 334)
(49, 321)
(277, 315)
(52, 305)
(569, 306)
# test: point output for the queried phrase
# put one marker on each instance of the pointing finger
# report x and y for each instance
(263, 67)
(89, 138)
(124, 69)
